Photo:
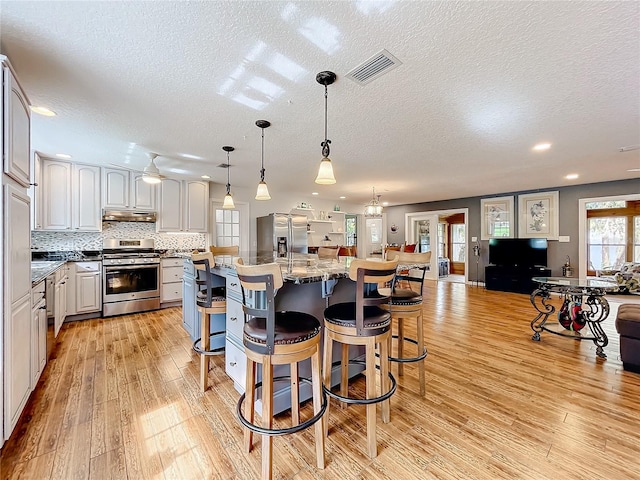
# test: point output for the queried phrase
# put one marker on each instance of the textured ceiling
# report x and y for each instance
(480, 83)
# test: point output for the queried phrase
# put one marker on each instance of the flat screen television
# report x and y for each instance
(518, 252)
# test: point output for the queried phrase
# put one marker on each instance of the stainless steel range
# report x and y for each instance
(131, 276)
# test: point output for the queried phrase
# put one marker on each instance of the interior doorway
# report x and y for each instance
(443, 232)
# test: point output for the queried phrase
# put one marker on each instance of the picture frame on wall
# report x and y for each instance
(538, 215)
(497, 220)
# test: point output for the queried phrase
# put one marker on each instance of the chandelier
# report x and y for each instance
(373, 208)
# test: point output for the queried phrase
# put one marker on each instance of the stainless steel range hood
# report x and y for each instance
(128, 216)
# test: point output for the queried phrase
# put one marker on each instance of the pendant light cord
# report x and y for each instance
(228, 178)
(325, 144)
(262, 160)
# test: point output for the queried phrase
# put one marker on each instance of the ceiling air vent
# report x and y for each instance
(223, 165)
(376, 66)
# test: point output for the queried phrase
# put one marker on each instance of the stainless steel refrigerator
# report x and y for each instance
(282, 233)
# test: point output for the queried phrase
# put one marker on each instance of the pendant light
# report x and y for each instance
(262, 192)
(151, 173)
(228, 199)
(373, 208)
(325, 172)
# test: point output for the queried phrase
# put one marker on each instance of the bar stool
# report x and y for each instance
(230, 250)
(406, 304)
(210, 300)
(277, 338)
(362, 322)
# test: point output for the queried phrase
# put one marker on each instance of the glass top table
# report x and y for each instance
(583, 305)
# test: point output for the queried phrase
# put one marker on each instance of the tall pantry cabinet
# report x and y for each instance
(15, 252)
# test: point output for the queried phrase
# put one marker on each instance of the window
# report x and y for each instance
(442, 239)
(458, 243)
(352, 230)
(607, 242)
(227, 228)
(613, 236)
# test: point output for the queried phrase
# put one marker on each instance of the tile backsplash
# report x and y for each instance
(49, 241)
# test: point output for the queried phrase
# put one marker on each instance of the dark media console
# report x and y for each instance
(512, 278)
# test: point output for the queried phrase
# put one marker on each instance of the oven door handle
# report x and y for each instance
(115, 268)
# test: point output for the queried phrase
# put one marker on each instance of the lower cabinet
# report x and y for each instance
(172, 273)
(84, 292)
(189, 311)
(38, 333)
(60, 299)
(512, 279)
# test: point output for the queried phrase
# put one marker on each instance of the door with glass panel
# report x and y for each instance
(230, 226)
(423, 231)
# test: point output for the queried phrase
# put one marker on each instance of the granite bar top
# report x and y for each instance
(296, 267)
(42, 269)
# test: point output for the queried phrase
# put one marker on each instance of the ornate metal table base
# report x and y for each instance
(585, 297)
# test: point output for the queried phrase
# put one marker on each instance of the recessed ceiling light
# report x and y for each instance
(192, 157)
(43, 111)
(384, 204)
(572, 176)
(634, 170)
(314, 193)
(541, 147)
(206, 177)
(342, 197)
(63, 155)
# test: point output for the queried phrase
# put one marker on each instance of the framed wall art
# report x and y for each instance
(538, 215)
(497, 218)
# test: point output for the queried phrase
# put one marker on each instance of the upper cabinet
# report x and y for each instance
(124, 189)
(182, 206)
(69, 197)
(16, 123)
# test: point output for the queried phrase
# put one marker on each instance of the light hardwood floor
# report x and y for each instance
(120, 399)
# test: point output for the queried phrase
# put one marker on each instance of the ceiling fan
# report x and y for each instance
(151, 173)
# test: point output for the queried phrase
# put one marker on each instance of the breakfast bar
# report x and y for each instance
(309, 285)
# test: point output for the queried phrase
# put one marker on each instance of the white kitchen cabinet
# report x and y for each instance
(70, 199)
(60, 299)
(38, 333)
(125, 189)
(16, 295)
(17, 126)
(182, 206)
(172, 273)
(35, 191)
(84, 288)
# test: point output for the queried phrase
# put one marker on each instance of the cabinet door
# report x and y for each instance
(115, 183)
(196, 206)
(17, 255)
(17, 122)
(35, 193)
(42, 338)
(170, 206)
(189, 311)
(87, 216)
(143, 193)
(17, 370)
(56, 195)
(88, 293)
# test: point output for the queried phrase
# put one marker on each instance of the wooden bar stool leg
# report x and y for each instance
(205, 344)
(420, 350)
(250, 391)
(384, 377)
(267, 417)
(326, 373)
(295, 394)
(371, 393)
(317, 406)
(400, 345)
(344, 374)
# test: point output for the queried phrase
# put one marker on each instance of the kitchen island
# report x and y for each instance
(309, 285)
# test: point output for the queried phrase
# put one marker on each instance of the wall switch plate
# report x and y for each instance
(564, 238)
(474, 239)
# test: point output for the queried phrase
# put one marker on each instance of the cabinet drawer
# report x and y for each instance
(88, 266)
(172, 262)
(37, 293)
(172, 274)
(171, 292)
(235, 364)
(233, 286)
(235, 319)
